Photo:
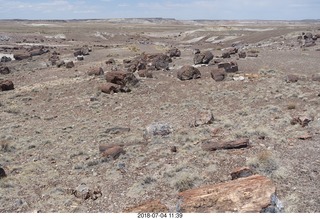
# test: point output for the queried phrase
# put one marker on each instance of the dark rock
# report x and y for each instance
(188, 72)
(218, 74)
(174, 52)
(111, 62)
(54, 58)
(173, 149)
(241, 173)
(196, 51)
(229, 66)
(95, 71)
(202, 58)
(6, 85)
(198, 57)
(226, 55)
(5, 59)
(2, 173)
(237, 144)
(291, 78)
(242, 54)
(21, 56)
(4, 70)
(70, 64)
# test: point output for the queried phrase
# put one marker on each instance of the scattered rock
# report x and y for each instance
(226, 55)
(112, 151)
(109, 88)
(54, 58)
(38, 51)
(302, 120)
(202, 58)
(4, 70)
(158, 129)
(21, 56)
(242, 54)
(229, 66)
(84, 51)
(243, 195)
(70, 64)
(95, 71)
(241, 173)
(2, 173)
(6, 85)
(5, 59)
(111, 62)
(203, 117)
(188, 72)
(117, 130)
(237, 144)
(60, 63)
(174, 52)
(291, 78)
(153, 206)
(305, 136)
(218, 74)
(83, 192)
(173, 149)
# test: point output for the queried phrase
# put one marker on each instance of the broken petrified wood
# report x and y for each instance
(236, 144)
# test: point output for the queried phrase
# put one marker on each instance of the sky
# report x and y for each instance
(178, 9)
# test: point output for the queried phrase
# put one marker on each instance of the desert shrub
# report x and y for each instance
(264, 163)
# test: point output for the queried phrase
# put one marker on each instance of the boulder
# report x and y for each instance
(242, 54)
(174, 52)
(161, 62)
(70, 64)
(152, 206)
(6, 85)
(95, 71)
(229, 66)
(109, 88)
(4, 70)
(116, 77)
(5, 59)
(202, 58)
(218, 74)
(21, 55)
(252, 194)
(188, 72)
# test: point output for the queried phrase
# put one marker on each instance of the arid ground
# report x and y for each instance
(56, 118)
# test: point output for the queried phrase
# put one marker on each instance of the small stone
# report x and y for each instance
(188, 72)
(6, 85)
(291, 78)
(173, 149)
(4, 70)
(113, 151)
(109, 88)
(70, 64)
(95, 71)
(2, 173)
(158, 129)
(241, 172)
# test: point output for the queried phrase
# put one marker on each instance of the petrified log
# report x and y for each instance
(212, 146)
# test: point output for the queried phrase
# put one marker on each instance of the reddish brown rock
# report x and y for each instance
(188, 72)
(241, 173)
(109, 88)
(302, 120)
(112, 151)
(244, 195)
(116, 77)
(4, 70)
(6, 85)
(154, 206)
(95, 71)
(236, 144)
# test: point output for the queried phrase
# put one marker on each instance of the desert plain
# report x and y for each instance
(159, 115)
